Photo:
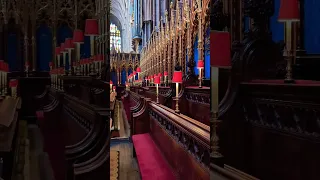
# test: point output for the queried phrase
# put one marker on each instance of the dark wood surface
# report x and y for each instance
(181, 140)
(82, 128)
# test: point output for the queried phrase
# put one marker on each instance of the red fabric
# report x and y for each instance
(177, 77)
(220, 53)
(289, 11)
(151, 162)
(91, 27)
(78, 36)
(39, 115)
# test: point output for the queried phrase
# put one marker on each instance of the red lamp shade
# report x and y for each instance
(165, 73)
(62, 48)
(134, 73)
(200, 64)
(114, 88)
(58, 50)
(1, 65)
(91, 28)
(289, 11)
(156, 80)
(160, 75)
(78, 36)
(69, 43)
(220, 49)
(13, 83)
(177, 77)
(138, 70)
(111, 82)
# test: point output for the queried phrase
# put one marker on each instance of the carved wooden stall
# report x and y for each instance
(76, 128)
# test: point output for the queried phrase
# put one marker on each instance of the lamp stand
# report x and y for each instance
(157, 93)
(177, 98)
(64, 62)
(69, 60)
(288, 52)
(215, 155)
(200, 77)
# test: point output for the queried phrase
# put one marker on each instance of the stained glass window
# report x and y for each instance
(115, 37)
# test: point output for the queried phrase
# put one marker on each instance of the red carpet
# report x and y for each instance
(151, 162)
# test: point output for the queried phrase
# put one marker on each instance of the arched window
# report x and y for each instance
(115, 37)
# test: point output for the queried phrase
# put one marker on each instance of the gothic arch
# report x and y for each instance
(120, 13)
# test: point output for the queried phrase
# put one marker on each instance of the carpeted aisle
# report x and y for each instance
(114, 165)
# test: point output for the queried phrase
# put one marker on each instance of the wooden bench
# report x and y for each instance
(79, 135)
(192, 100)
(170, 145)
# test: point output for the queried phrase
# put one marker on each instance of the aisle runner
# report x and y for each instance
(114, 165)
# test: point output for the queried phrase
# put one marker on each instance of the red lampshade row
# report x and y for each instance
(58, 50)
(156, 80)
(200, 64)
(78, 36)
(69, 43)
(165, 73)
(138, 70)
(220, 49)
(160, 75)
(289, 11)
(177, 77)
(91, 28)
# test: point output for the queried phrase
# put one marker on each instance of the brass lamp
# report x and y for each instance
(111, 84)
(200, 67)
(13, 83)
(177, 78)
(78, 39)
(27, 66)
(92, 30)
(220, 57)
(64, 54)
(157, 82)
(69, 45)
(289, 14)
(165, 74)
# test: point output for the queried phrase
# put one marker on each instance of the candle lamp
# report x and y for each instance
(78, 39)
(58, 52)
(111, 84)
(138, 71)
(69, 46)
(200, 67)
(289, 14)
(157, 82)
(177, 78)
(64, 54)
(160, 76)
(27, 65)
(165, 78)
(220, 54)
(91, 30)
(13, 83)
